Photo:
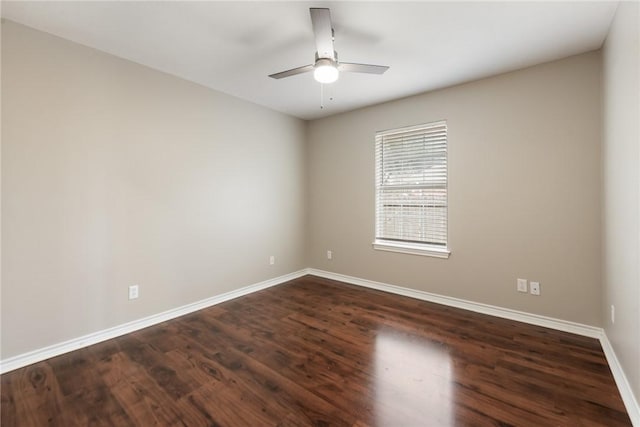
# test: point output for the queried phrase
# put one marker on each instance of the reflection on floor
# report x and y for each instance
(415, 372)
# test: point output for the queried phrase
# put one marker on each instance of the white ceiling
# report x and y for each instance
(233, 46)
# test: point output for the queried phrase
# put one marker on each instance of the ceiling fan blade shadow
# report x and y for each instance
(362, 68)
(321, 22)
(292, 72)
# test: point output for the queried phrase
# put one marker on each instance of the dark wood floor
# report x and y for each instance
(319, 352)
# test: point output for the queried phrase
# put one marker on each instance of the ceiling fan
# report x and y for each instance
(327, 68)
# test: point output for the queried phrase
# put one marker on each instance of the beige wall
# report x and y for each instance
(524, 190)
(114, 174)
(621, 176)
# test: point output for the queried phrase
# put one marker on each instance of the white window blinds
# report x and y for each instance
(411, 185)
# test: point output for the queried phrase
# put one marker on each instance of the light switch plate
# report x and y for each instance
(522, 285)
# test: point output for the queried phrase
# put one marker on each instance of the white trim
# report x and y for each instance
(413, 249)
(492, 310)
(41, 354)
(629, 399)
(411, 128)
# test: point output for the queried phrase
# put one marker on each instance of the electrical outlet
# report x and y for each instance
(613, 313)
(329, 255)
(522, 285)
(535, 288)
(272, 260)
(133, 292)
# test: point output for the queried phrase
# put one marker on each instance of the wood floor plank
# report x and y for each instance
(316, 352)
(35, 397)
(300, 364)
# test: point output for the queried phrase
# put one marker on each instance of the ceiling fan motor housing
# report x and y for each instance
(334, 59)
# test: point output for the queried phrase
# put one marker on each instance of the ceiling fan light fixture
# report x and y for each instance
(325, 71)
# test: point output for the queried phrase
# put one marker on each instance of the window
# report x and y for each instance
(411, 190)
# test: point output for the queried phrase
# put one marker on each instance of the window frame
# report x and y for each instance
(410, 247)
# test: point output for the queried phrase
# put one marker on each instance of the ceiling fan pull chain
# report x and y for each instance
(321, 96)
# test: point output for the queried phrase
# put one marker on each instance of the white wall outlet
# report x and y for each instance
(535, 288)
(329, 255)
(272, 260)
(522, 285)
(613, 313)
(133, 292)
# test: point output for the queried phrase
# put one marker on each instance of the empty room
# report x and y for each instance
(332, 213)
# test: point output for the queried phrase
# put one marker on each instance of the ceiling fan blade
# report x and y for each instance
(292, 72)
(321, 22)
(362, 68)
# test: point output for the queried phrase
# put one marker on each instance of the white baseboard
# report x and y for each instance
(41, 354)
(630, 402)
(520, 316)
(629, 399)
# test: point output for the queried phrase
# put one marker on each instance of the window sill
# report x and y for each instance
(413, 249)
